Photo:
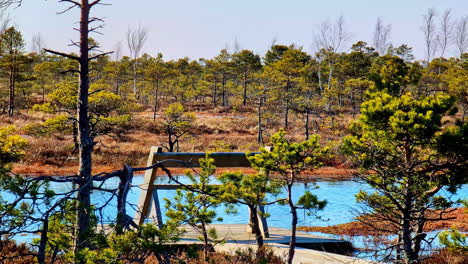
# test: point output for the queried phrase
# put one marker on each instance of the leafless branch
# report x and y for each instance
(444, 35)
(382, 36)
(429, 30)
(73, 57)
(461, 35)
(100, 55)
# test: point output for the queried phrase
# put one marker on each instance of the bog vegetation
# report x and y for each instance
(401, 124)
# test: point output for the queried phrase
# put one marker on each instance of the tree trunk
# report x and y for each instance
(410, 257)
(224, 89)
(319, 74)
(215, 91)
(135, 78)
(11, 101)
(42, 92)
(41, 258)
(420, 235)
(255, 225)
(123, 220)
(286, 105)
(170, 141)
(292, 243)
(259, 115)
(306, 125)
(117, 85)
(83, 228)
(244, 84)
(155, 108)
(205, 239)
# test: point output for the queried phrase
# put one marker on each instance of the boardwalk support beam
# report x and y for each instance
(148, 203)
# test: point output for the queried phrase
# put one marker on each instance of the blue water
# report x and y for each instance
(340, 208)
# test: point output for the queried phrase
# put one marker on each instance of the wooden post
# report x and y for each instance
(148, 204)
(263, 222)
(146, 194)
(155, 210)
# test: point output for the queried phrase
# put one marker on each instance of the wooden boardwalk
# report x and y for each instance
(239, 233)
(301, 256)
(310, 248)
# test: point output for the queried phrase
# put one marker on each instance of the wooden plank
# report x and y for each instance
(222, 159)
(172, 186)
(156, 209)
(146, 189)
(301, 255)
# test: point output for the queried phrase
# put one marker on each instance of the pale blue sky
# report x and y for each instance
(200, 28)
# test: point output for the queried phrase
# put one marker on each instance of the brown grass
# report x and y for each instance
(445, 256)
(218, 129)
(11, 253)
(356, 228)
(263, 256)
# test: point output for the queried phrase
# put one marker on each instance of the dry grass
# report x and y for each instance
(457, 218)
(263, 256)
(11, 253)
(445, 256)
(218, 129)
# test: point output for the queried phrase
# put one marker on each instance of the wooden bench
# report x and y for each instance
(148, 204)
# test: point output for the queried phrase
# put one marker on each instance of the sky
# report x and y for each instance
(201, 28)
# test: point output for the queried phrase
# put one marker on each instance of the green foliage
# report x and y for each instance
(45, 108)
(407, 154)
(57, 124)
(195, 205)
(287, 158)
(147, 240)
(249, 189)
(391, 74)
(11, 148)
(274, 53)
(103, 256)
(310, 202)
(60, 235)
(108, 113)
(177, 123)
(454, 240)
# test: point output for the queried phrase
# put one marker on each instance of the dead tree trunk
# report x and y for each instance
(84, 135)
(85, 140)
(123, 220)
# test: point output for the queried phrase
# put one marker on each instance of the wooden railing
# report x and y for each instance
(148, 204)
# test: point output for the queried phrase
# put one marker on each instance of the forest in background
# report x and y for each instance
(409, 130)
(241, 98)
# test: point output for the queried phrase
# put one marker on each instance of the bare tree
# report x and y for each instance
(37, 44)
(236, 46)
(7, 3)
(118, 51)
(332, 36)
(136, 39)
(330, 39)
(85, 140)
(85, 143)
(461, 35)
(444, 35)
(4, 19)
(429, 30)
(382, 36)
